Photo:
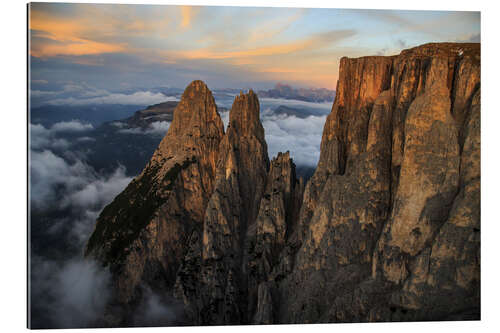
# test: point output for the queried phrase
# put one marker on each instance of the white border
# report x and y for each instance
(13, 165)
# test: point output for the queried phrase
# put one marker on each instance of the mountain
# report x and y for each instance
(389, 225)
(240, 181)
(290, 111)
(285, 91)
(386, 229)
(157, 112)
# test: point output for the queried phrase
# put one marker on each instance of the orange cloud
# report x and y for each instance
(303, 73)
(261, 51)
(54, 29)
(76, 47)
(207, 53)
(187, 13)
(314, 42)
(66, 36)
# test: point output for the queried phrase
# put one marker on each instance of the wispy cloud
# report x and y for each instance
(75, 46)
(157, 128)
(41, 137)
(64, 36)
(314, 42)
(188, 13)
(78, 94)
(137, 98)
(71, 126)
(301, 60)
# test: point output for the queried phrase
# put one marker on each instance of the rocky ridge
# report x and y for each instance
(387, 228)
(157, 112)
(141, 235)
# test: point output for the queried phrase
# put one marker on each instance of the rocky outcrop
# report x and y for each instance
(387, 228)
(211, 281)
(142, 234)
(240, 182)
(278, 214)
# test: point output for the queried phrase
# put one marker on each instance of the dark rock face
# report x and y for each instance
(233, 207)
(387, 228)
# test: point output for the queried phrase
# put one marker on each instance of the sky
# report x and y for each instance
(129, 48)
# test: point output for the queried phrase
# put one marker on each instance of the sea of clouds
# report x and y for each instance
(66, 196)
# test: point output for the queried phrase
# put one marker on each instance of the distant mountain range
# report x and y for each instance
(280, 90)
(316, 95)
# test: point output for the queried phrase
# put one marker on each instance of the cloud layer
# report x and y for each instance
(66, 197)
(137, 98)
(82, 94)
(67, 295)
(73, 291)
(157, 128)
(41, 137)
(71, 126)
(302, 137)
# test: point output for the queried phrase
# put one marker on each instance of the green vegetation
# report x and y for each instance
(121, 222)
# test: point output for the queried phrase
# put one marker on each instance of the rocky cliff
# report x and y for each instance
(382, 235)
(387, 228)
(142, 234)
